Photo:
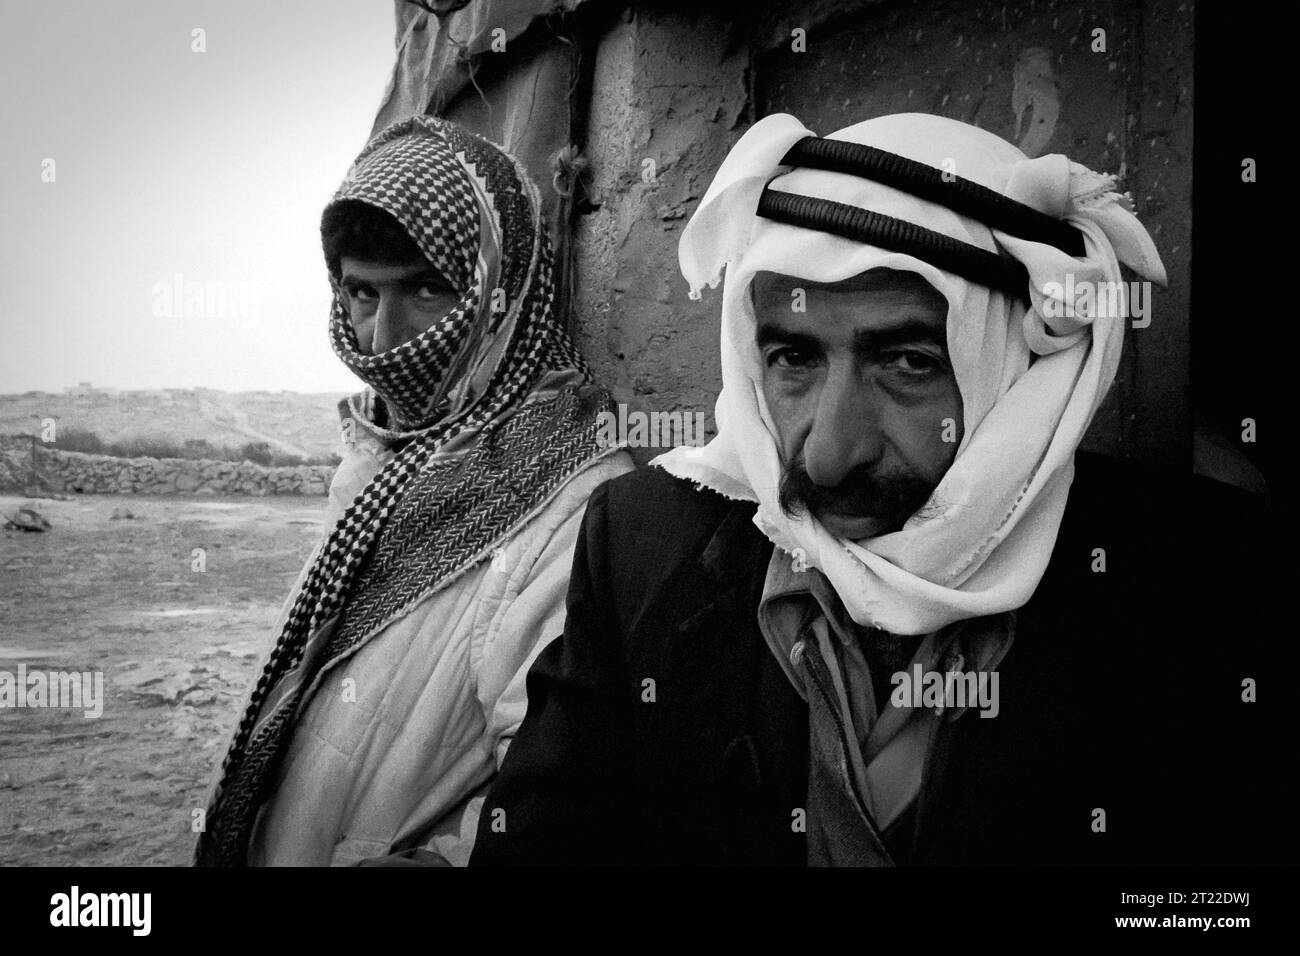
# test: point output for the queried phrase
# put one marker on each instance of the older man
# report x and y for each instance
(397, 679)
(855, 628)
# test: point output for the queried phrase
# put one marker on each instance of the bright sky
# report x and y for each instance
(173, 169)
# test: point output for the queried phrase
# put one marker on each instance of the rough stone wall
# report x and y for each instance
(669, 89)
(15, 461)
(70, 471)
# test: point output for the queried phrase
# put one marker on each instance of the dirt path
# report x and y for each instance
(177, 648)
(231, 417)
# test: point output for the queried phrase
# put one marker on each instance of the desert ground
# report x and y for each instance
(178, 649)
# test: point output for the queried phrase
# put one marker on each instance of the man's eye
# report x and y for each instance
(362, 293)
(915, 362)
(430, 291)
(789, 358)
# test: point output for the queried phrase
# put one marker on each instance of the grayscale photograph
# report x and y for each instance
(594, 433)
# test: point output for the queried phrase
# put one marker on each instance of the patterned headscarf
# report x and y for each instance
(430, 513)
(438, 182)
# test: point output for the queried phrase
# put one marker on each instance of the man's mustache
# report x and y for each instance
(893, 497)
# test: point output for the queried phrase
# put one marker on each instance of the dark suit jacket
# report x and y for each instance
(1122, 692)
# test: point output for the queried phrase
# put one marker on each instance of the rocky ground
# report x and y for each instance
(113, 586)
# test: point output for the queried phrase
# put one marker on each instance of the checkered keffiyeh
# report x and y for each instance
(426, 518)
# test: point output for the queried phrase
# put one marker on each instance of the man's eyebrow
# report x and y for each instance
(908, 332)
(426, 276)
(768, 334)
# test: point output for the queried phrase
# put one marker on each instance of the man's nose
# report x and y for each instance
(390, 325)
(845, 431)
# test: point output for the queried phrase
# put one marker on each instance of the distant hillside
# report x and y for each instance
(305, 425)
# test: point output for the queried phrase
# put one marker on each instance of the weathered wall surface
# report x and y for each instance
(669, 100)
(70, 471)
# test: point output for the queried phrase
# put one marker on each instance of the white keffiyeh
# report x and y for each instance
(1030, 381)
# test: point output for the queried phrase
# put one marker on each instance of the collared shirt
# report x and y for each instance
(868, 757)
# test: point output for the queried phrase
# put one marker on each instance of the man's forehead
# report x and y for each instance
(354, 266)
(873, 280)
(895, 290)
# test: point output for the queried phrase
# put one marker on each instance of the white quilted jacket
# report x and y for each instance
(397, 743)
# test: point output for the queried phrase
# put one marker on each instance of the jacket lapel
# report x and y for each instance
(757, 732)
